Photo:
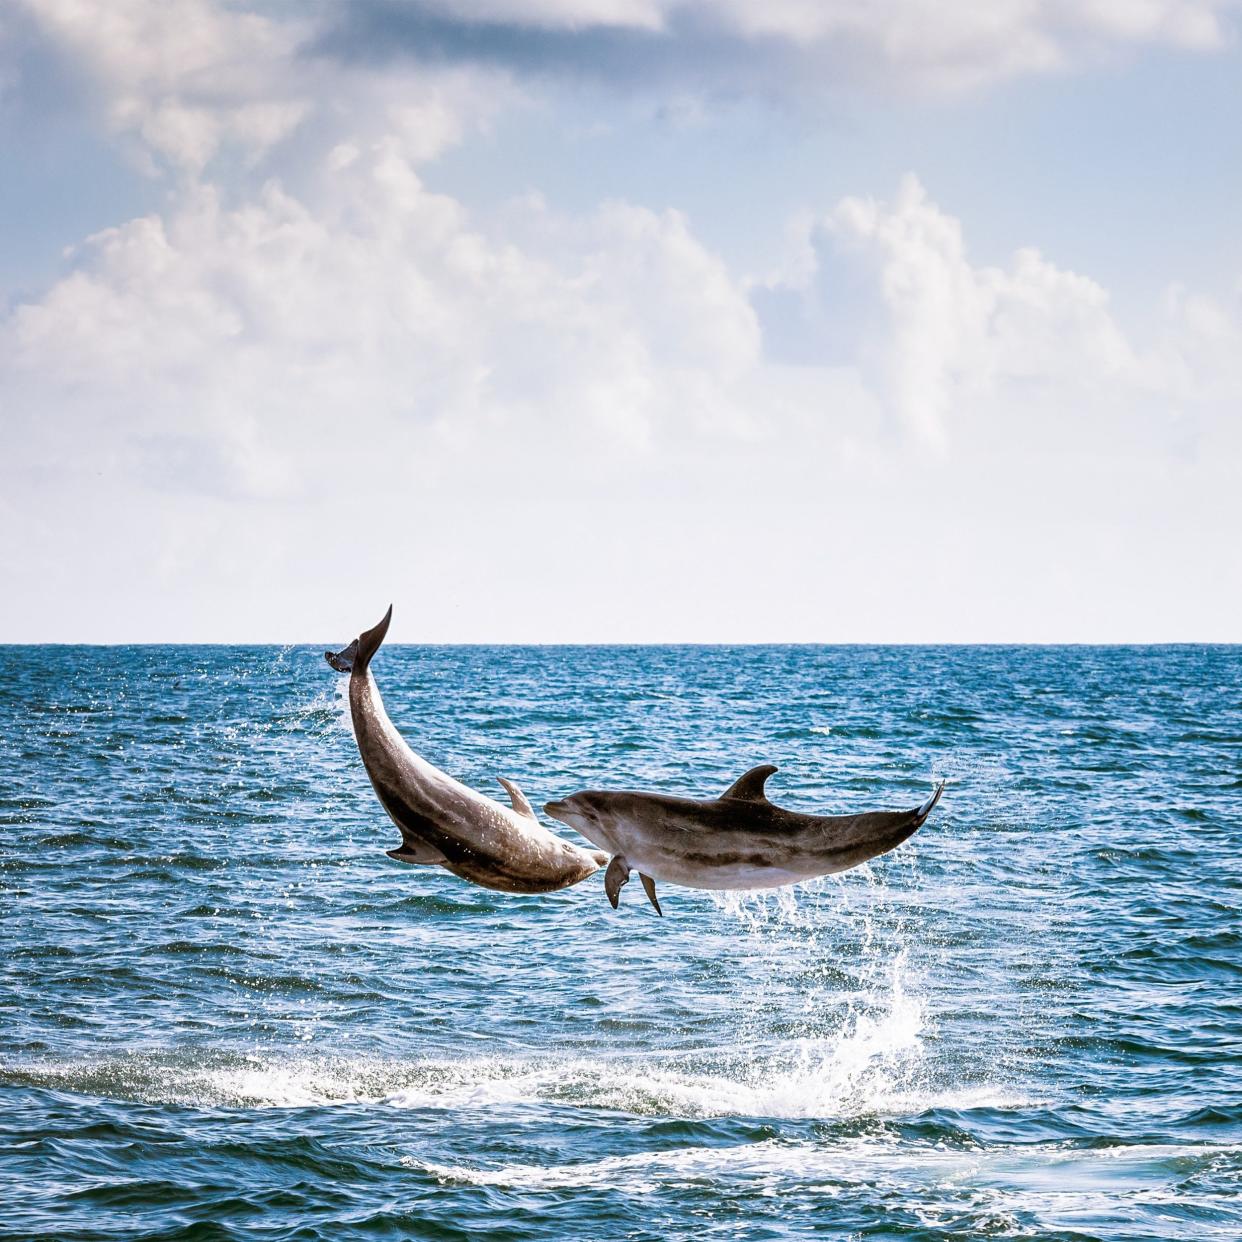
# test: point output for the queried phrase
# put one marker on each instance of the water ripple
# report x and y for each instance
(224, 1013)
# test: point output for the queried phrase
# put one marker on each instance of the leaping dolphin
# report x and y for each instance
(443, 822)
(739, 840)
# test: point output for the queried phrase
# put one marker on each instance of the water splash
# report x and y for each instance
(866, 1070)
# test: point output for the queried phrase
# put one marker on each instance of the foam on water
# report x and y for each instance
(804, 1083)
(873, 1063)
(1044, 1169)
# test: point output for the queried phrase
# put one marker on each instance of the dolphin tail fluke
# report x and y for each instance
(926, 809)
(369, 642)
(356, 657)
(343, 661)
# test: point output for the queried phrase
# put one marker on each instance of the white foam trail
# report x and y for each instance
(1044, 1168)
(859, 1074)
(639, 1172)
(872, 1063)
(867, 1067)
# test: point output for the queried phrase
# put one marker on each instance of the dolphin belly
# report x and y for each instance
(723, 865)
(722, 876)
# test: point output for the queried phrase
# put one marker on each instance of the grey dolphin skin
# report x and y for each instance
(739, 840)
(443, 822)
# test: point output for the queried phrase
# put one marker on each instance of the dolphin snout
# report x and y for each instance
(555, 809)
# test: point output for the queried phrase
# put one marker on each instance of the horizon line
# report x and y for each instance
(587, 643)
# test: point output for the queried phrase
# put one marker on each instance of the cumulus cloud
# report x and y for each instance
(890, 287)
(233, 348)
(213, 336)
(229, 347)
(189, 83)
(220, 343)
(185, 78)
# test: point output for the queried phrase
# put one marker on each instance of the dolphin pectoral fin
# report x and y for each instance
(649, 889)
(749, 787)
(521, 804)
(926, 809)
(417, 854)
(618, 873)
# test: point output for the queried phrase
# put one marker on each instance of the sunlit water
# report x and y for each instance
(224, 1013)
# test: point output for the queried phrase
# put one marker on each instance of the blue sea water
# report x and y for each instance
(225, 1014)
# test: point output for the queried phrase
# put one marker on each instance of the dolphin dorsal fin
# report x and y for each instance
(520, 803)
(749, 788)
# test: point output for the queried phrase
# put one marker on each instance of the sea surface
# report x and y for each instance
(225, 1014)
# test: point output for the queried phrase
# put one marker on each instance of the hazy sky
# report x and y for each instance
(621, 320)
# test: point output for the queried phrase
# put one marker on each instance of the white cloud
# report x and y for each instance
(184, 83)
(221, 347)
(555, 14)
(960, 44)
(184, 78)
(891, 289)
(1202, 347)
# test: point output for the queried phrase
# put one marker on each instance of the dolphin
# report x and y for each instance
(739, 840)
(442, 822)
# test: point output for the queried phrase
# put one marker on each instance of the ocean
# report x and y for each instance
(226, 1014)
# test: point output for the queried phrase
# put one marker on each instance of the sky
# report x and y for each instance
(621, 320)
